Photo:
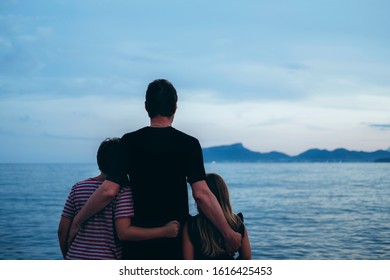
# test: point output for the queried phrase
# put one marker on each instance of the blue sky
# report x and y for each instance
(274, 75)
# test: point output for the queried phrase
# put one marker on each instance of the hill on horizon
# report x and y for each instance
(238, 153)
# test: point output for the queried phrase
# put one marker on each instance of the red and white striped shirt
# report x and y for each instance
(97, 238)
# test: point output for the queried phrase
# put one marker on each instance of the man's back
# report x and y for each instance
(159, 161)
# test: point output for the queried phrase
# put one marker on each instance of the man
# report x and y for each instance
(159, 161)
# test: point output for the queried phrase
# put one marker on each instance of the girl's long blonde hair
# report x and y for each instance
(212, 241)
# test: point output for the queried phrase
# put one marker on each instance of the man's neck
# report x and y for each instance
(161, 121)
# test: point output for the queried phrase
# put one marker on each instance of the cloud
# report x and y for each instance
(68, 137)
(63, 129)
(25, 118)
(381, 126)
(7, 132)
(5, 43)
(242, 74)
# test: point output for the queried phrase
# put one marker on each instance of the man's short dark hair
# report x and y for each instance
(106, 153)
(161, 98)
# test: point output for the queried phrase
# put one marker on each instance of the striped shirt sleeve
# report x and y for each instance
(69, 210)
(124, 205)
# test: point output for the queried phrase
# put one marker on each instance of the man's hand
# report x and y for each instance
(233, 242)
(74, 230)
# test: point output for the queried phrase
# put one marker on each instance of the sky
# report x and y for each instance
(274, 75)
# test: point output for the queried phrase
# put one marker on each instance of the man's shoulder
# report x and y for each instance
(132, 137)
(146, 129)
(134, 132)
(184, 135)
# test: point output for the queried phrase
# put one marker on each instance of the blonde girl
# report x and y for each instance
(202, 240)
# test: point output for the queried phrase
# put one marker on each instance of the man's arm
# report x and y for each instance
(96, 202)
(209, 205)
(127, 232)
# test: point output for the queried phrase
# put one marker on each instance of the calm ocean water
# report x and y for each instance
(292, 211)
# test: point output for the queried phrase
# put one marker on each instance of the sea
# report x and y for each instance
(292, 211)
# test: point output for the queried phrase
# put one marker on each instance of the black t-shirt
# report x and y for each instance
(158, 162)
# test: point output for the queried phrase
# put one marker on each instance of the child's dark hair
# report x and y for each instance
(106, 153)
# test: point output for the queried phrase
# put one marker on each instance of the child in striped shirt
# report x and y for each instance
(98, 238)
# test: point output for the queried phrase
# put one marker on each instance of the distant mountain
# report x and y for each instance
(238, 153)
(340, 155)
